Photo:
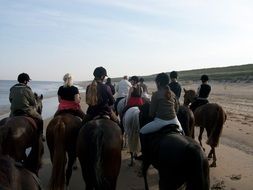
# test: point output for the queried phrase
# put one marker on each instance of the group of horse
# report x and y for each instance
(179, 159)
(97, 146)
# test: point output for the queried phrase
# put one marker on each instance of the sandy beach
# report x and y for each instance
(234, 169)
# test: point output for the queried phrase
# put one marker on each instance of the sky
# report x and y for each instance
(48, 38)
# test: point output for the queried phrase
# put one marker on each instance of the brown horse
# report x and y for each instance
(61, 135)
(22, 135)
(99, 152)
(211, 117)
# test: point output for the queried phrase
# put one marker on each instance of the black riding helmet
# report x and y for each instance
(173, 75)
(135, 79)
(23, 77)
(99, 72)
(204, 78)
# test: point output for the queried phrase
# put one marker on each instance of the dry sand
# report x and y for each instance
(234, 169)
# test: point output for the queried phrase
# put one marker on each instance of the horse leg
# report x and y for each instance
(75, 165)
(144, 168)
(214, 158)
(210, 155)
(71, 160)
(132, 159)
(201, 130)
(32, 162)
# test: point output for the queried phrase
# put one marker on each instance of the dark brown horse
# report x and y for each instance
(179, 159)
(22, 135)
(99, 152)
(61, 134)
(211, 117)
(132, 123)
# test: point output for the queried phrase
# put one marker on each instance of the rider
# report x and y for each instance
(23, 101)
(163, 108)
(174, 85)
(122, 90)
(69, 98)
(99, 97)
(202, 93)
(134, 97)
(109, 83)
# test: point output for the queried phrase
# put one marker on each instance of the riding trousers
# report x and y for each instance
(157, 124)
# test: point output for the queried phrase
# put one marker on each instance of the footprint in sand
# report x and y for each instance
(235, 177)
(219, 185)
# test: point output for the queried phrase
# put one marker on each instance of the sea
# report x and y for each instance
(47, 88)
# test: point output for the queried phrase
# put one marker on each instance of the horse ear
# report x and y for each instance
(35, 95)
(41, 97)
(185, 90)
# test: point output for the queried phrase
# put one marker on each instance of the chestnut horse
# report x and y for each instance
(99, 152)
(22, 135)
(179, 159)
(61, 135)
(211, 117)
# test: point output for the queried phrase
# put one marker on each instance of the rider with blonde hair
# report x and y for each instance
(69, 98)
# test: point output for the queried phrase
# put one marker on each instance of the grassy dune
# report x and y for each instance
(231, 73)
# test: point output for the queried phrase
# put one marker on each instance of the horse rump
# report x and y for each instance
(99, 153)
(179, 161)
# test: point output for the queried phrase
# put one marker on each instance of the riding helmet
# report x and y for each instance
(135, 79)
(99, 72)
(204, 78)
(173, 75)
(23, 77)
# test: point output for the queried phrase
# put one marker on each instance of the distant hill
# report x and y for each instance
(231, 73)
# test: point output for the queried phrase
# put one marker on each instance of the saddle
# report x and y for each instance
(152, 140)
(31, 120)
(68, 111)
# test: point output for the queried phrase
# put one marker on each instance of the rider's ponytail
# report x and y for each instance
(91, 94)
(167, 92)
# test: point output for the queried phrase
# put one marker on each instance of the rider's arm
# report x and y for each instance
(77, 98)
(30, 97)
(110, 96)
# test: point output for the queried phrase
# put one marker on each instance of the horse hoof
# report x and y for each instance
(213, 165)
(139, 157)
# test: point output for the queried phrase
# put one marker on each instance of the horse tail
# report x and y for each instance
(59, 157)
(215, 134)
(95, 157)
(198, 168)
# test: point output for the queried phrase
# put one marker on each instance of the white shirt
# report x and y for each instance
(122, 88)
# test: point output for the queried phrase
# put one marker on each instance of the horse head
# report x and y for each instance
(189, 96)
(38, 102)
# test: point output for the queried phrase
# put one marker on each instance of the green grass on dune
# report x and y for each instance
(231, 74)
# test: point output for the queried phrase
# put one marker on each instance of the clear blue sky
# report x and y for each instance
(48, 38)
